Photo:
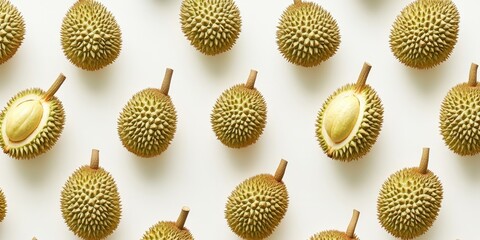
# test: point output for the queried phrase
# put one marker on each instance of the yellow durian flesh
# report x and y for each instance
(12, 30)
(170, 230)
(341, 116)
(3, 206)
(339, 235)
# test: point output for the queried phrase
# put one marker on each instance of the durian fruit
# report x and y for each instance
(170, 230)
(3, 206)
(91, 38)
(425, 33)
(307, 34)
(350, 120)
(90, 202)
(12, 30)
(257, 205)
(459, 116)
(211, 26)
(148, 122)
(339, 235)
(409, 200)
(240, 114)
(32, 122)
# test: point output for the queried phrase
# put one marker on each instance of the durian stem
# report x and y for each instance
(94, 160)
(251, 79)
(166, 81)
(182, 218)
(280, 170)
(472, 80)
(55, 86)
(362, 78)
(353, 224)
(423, 168)
(297, 1)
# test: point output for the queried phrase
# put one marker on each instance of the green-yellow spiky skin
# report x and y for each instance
(409, 203)
(12, 30)
(459, 119)
(307, 34)
(90, 203)
(239, 116)
(46, 138)
(91, 38)
(256, 207)
(3, 206)
(147, 123)
(167, 231)
(211, 26)
(425, 33)
(332, 235)
(364, 136)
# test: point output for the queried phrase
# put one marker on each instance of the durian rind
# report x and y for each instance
(333, 235)
(46, 134)
(3, 206)
(256, 207)
(12, 30)
(167, 231)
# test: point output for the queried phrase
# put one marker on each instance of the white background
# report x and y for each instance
(197, 170)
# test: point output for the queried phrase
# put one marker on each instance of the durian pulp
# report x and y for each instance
(362, 101)
(46, 110)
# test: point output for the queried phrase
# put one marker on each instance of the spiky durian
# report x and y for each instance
(339, 235)
(240, 114)
(170, 230)
(460, 116)
(211, 26)
(32, 122)
(90, 202)
(257, 205)
(409, 200)
(12, 30)
(425, 33)
(3, 206)
(307, 34)
(148, 122)
(350, 120)
(91, 37)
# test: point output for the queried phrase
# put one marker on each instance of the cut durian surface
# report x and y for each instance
(12, 30)
(339, 235)
(32, 122)
(170, 230)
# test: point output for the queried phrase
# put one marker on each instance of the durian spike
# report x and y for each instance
(251, 79)
(472, 80)
(182, 218)
(362, 78)
(297, 1)
(353, 224)
(166, 81)
(280, 170)
(55, 86)
(423, 168)
(95, 159)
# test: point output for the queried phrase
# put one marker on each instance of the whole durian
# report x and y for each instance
(90, 202)
(240, 114)
(307, 34)
(257, 205)
(425, 33)
(3, 206)
(170, 230)
(12, 30)
(148, 122)
(350, 120)
(91, 38)
(459, 116)
(410, 200)
(339, 235)
(211, 26)
(32, 122)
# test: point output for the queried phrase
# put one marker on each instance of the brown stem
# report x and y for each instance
(94, 160)
(280, 170)
(251, 79)
(472, 80)
(55, 86)
(362, 78)
(423, 168)
(182, 218)
(166, 81)
(353, 224)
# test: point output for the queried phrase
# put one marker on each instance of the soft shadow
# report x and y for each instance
(37, 170)
(470, 166)
(314, 78)
(245, 158)
(427, 80)
(152, 168)
(7, 70)
(373, 4)
(217, 65)
(97, 81)
(356, 172)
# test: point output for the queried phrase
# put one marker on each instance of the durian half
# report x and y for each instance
(148, 122)
(339, 235)
(170, 230)
(12, 30)
(257, 205)
(460, 116)
(350, 120)
(32, 122)
(3, 206)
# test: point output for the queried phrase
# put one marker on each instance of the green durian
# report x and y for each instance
(339, 235)
(166, 230)
(12, 30)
